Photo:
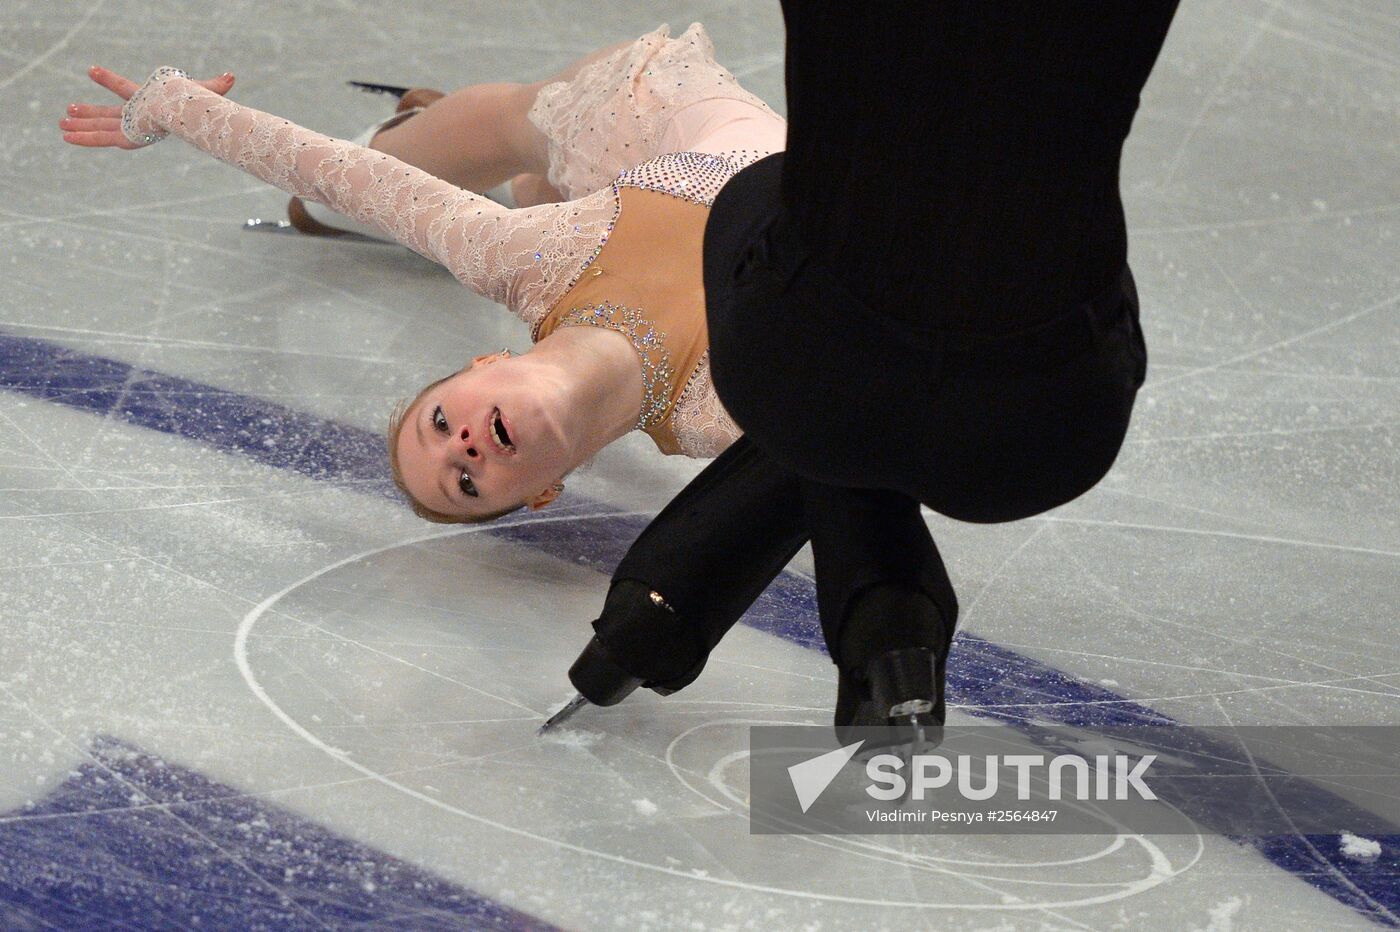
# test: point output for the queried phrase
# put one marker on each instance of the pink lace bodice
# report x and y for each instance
(525, 259)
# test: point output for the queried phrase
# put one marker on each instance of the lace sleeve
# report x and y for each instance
(520, 258)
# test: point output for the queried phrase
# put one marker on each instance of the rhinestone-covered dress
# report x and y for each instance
(530, 258)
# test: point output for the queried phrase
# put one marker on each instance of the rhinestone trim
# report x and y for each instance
(617, 213)
(161, 74)
(690, 176)
(650, 344)
(694, 373)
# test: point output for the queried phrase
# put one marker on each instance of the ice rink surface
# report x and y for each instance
(241, 686)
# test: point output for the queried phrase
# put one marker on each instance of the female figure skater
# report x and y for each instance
(638, 139)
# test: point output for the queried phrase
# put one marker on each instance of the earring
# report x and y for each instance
(505, 353)
(558, 487)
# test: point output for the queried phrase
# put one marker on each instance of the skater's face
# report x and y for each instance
(482, 442)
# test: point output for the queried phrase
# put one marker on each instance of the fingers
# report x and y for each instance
(122, 87)
(99, 139)
(88, 111)
(220, 85)
(90, 124)
(99, 126)
(125, 87)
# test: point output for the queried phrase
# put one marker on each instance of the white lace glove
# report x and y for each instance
(138, 124)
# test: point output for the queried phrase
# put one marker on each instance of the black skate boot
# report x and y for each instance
(690, 576)
(894, 652)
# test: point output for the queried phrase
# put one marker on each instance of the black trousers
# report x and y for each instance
(719, 543)
(953, 168)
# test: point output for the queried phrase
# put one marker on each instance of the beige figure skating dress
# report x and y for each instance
(640, 142)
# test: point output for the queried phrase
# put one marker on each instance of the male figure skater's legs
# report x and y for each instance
(719, 543)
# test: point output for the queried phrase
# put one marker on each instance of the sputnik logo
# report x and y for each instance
(811, 777)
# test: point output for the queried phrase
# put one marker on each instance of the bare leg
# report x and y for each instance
(480, 136)
(529, 190)
(475, 138)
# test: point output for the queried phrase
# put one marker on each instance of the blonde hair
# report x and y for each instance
(396, 422)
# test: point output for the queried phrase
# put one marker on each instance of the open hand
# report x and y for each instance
(100, 126)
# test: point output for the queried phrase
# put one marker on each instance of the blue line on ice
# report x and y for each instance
(984, 679)
(132, 841)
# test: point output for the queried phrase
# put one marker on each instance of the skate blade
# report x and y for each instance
(917, 745)
(258, 225)
(268, 226)
(368, 88)
(572, 706)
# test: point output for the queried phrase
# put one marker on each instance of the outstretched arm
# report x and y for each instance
(488, 247)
